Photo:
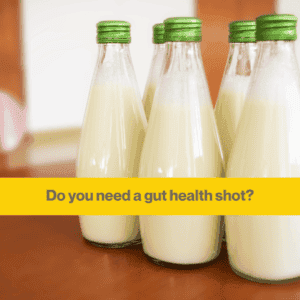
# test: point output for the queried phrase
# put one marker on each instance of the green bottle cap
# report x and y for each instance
(113, 32)
(158, 33)
(183, 29)
(276, 27)
(242, 32)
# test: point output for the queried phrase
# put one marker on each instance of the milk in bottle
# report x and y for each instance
(181, 141)
(156, 67)
(267, 248)
(113, 131)
(235, 81)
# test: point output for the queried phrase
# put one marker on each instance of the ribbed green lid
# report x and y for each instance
(183, 29)
(276, 27)
(158, 33)
(113, 32)
(242, 32)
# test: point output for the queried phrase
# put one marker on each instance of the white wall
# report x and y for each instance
(60, 51)
(291, 7)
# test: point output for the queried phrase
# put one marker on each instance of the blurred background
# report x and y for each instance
(47, 57)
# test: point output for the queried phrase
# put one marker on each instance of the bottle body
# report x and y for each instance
(181, 240)
(111, 138)
(110, 231)
(153, 78)
(266, 247)
(233, 91)
(181, 141)
(232, 94)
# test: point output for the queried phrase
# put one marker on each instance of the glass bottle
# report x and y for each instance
(113, 131)
(156, 67)
(181, 141)
(267, 248)
(235, 83)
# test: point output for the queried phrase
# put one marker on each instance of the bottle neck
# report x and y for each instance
(281, 53)
(159, 48)
(182, 56)
(112, 52)
(114, 63)
(157, 62)
(183, 80)
(241, 59)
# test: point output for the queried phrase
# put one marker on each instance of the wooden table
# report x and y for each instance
(45, 257)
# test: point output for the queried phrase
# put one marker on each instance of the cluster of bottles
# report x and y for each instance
(175, 132)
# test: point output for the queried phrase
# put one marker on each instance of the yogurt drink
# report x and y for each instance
(267, 248)
(113, 132)
(235, 84)
(181, 141)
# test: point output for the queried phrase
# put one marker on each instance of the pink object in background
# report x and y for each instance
(12, 122)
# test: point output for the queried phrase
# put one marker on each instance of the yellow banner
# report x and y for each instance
(149, 196)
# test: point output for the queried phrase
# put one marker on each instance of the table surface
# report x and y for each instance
(45, 257)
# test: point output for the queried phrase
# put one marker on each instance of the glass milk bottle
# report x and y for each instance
(267, 248)
(235, 81)
(156, 66)
(181, 141)
(113, 131)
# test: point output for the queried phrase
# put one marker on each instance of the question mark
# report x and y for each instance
(251, 192)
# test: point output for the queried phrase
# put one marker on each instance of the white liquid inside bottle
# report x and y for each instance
(182, 240)
(110, 230)
(111, 146)
(181, 141)
(276, 255)
(148, 98)
(229, 108)
(180, 152)
(153, 79)
(267, 248)
(113, 133)
(233, 91)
